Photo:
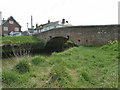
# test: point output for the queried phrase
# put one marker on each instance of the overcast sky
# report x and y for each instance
(77, 12)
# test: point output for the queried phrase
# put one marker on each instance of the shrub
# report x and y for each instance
(38, 60)
(8, 76)
(69, 44)
(112, 45)
(23, 66)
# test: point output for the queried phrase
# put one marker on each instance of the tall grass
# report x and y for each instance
(23, 66)
(19, 40)
(78, 67)
(9, 77)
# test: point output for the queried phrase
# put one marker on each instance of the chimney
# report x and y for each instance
(27, 26)
(63, 21)
(66, 21)
(3, 20)
(48, 21)
(36, 25)
(0, 18)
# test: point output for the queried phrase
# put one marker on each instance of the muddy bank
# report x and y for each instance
(12, 50)
(16, 50)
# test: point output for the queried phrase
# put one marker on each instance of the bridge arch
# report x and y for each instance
(56, 43)
(94, 35)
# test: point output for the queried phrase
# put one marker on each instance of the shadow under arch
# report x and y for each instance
(56, 44)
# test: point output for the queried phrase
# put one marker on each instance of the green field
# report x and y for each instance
(78, 67)
(19, 40)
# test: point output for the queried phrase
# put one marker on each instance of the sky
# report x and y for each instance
(77, 12)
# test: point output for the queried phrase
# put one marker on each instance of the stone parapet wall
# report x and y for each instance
(96, 35)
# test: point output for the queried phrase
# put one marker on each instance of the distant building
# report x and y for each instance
(51, 25)
(11, 27)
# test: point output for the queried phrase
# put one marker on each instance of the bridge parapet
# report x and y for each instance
(96, 35)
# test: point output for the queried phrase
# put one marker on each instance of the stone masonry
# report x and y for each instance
(95, 35)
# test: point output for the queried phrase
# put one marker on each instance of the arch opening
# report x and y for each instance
(58, 44)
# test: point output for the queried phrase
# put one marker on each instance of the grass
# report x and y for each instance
(78, 67)
(19, 40)
(23, 66)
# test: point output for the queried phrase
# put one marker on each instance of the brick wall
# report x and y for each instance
(11, 27)
(84, 35)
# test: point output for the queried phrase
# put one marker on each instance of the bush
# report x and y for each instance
(112, 45)
(8, 77)
(38, 60)
(69, 44)
(23, 66)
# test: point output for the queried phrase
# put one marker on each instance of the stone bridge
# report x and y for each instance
(95, 35)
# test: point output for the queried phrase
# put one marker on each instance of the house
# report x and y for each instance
(51, 25)
(11, 27)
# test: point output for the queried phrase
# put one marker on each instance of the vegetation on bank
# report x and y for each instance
(17, 46)
(78, 67)
(19, 40)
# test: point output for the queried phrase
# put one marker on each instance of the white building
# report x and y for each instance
(56, 24)
(51, 25)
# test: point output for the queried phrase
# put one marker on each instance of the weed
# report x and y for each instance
(9, 76)
(23, 66)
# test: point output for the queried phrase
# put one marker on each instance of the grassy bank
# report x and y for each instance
(18, 46)
(78, 67)
(19, 40)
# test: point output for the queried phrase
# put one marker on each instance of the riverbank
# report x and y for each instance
(78, 67)
(20, 46)
(29, 45)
